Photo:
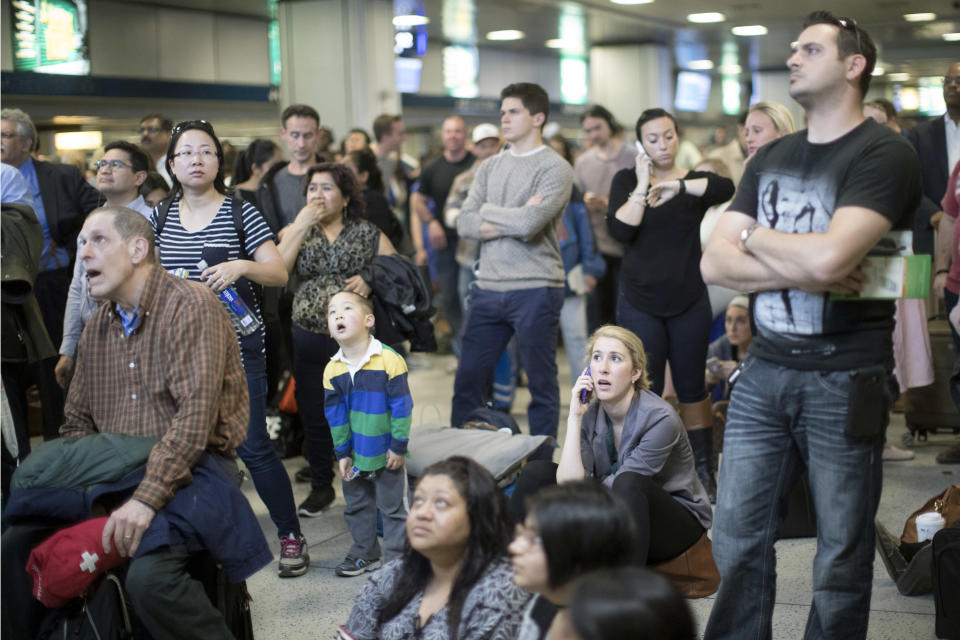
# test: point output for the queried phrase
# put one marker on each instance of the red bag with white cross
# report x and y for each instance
(65, 564)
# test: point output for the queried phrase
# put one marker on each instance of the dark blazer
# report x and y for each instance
(930, 141)
(67, 199)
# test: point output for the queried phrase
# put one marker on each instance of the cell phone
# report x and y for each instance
(713, 364)
(352, 473)
(643, 152)
(585, 393)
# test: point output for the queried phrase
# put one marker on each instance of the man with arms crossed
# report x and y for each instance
(813, 391)
(514, 206)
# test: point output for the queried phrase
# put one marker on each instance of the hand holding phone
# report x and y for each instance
(585, 393)
(642, 158)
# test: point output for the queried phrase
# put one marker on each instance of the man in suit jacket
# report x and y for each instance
(62, 199)
(938, 144)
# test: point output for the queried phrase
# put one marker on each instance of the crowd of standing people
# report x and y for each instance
(629, 255)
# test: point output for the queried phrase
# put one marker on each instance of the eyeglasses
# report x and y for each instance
(193, 124)
(203, 154)
(951, 80)
(851, 25)
(521, 532)
(143, 130)
(113, 164)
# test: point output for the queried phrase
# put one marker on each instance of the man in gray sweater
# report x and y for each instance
(514, 208)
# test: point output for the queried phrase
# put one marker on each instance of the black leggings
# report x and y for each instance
(665, 527)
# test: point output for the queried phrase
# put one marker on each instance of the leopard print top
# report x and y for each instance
(324, 266)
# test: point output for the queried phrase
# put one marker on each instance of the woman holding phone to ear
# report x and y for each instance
(632, 441)
(655, 211)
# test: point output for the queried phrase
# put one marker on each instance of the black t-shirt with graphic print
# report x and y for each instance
(794, 186)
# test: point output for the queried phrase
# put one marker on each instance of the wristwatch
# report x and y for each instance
(745, 235)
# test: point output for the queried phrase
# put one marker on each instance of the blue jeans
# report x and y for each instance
(267, 471)
(533, 315)
(573, 325)
(950, 299)
(780, 420)
(448, 275)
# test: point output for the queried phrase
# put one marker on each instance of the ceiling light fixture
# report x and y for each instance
(407, 21)
(951, 37)
(749, 30)
(898, 77)
(506, 34)
(878, 71)
(554, 43)
(730, 69)
(700, 65)
(919, 17)
(631, 1)
(706, 18)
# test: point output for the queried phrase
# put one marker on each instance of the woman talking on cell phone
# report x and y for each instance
(631, 440)
(655, 211)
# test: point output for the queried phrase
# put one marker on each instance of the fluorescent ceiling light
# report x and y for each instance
(878, 71)
(631, 1)
(749, 30)
(700, 65)
(410, 21)
(730, 69)
(706, 18)
(554, 43)
(71, 140)
(898, 77)
(951, 37)
(506, 34)
(919, 17)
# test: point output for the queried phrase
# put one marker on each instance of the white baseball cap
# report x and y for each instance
(484, 131)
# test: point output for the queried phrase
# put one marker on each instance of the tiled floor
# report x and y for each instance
(313, 605)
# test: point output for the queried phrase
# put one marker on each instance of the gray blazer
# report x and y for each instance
(653, 444)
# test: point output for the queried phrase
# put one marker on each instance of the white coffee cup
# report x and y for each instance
(928, 524)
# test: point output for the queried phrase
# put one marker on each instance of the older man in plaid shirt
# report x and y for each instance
(159, 359)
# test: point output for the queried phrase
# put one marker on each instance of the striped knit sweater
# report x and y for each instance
(369, 411)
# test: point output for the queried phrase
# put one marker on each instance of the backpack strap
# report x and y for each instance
(236, 210)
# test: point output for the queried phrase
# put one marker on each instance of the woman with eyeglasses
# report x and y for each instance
(328, 243)
(569, 529)
(655, 212)
(453, 580)
(199, 229)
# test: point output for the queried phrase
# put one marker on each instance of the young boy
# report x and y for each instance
(368, 405)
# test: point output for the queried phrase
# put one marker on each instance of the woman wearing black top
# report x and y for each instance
(364, 165)
(252, 164)
(655, 211)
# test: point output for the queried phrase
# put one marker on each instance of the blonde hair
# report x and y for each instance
(779, 114)
(634, 347)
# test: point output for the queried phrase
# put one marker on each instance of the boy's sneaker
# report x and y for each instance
(294, 556)
(317, 501)
(356, 566)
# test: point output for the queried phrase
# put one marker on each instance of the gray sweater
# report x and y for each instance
(527, 254)
(653, 444)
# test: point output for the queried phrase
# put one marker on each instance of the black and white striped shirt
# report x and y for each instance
(180, 248)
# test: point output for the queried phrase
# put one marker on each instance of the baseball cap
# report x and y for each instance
(484, 131)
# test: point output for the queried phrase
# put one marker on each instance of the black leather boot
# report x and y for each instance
(701, 441)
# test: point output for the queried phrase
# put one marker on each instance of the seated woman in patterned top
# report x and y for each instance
(453, 580)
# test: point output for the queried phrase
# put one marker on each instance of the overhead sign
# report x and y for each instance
(50, 36)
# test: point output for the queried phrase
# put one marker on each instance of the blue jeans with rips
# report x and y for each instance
(779, 420)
